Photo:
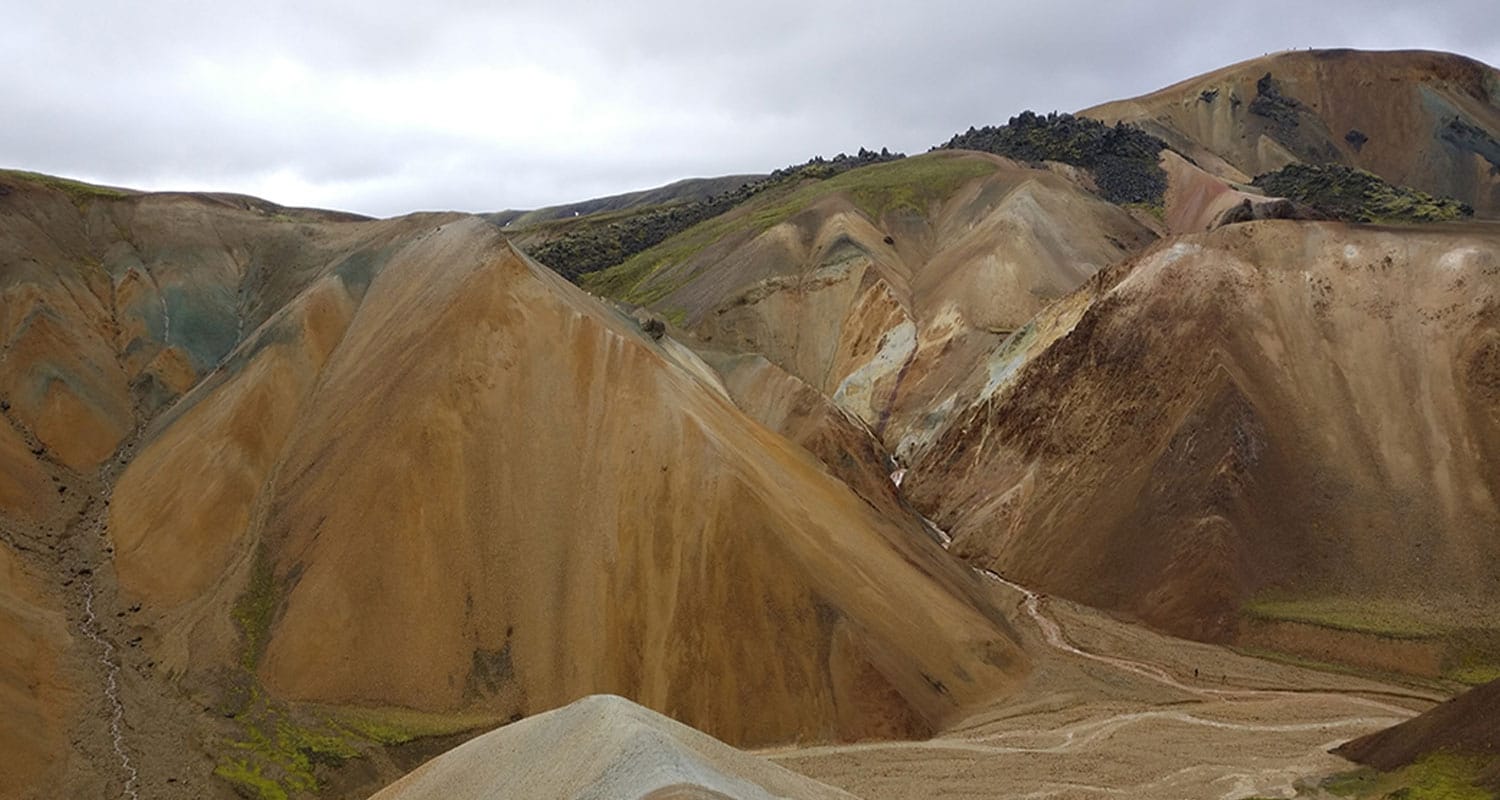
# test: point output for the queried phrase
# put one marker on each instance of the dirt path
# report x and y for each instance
(1053, 633)
(1133, 729)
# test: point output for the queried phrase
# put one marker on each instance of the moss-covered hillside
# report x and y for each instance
(1354, 195)
(589, 248)
(1123, 159)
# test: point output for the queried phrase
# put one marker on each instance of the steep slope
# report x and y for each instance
(880, 285)
(113, 303)
(317, 593)
(715, 572)
(1282, 433)
(602, 747)
(36, 704)
(1421, 119)
(787, 405)
(1467, 726)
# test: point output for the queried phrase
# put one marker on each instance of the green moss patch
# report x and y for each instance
(909, 185)
(1381, 618)
(589, 245)
(255, 610)
(1354, 195)
(249, 781)
(1123, 159)
(1473, 671)
(276, 756)
(399, 726)
(79, 192)
(1435, 777)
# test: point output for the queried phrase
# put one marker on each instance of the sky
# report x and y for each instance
(382, 107)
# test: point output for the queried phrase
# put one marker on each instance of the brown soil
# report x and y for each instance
(1272, 410)
(1116, 711)
(1467, 725)
(1402, 102)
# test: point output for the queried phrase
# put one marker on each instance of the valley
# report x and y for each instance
(1152, 451)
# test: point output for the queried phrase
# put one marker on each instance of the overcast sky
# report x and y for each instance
(385, 107)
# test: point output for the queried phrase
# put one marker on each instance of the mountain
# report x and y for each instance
(602, 747)
(1416, 118)
(1466, 728)
(682, 191)
(1279, 433)
(874, 286)
(1212, 433)
(288, 578)
(38, 706)
(501, 393)
(292, 501)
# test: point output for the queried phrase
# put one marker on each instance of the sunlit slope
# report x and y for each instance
(36, 702)
(473, 488)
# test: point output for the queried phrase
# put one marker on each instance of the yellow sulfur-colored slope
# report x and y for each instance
(497, 495)
(37, 703)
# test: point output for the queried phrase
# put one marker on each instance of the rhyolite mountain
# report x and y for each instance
(293, 500)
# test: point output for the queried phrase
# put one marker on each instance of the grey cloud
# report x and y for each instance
(387, 107)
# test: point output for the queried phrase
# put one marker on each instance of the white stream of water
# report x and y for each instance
(111, 689)
(94, 633)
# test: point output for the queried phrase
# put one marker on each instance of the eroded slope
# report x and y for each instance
(482, 493)
(1297, 421)
(1421, 119)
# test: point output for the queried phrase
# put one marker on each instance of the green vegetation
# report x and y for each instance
(255, 610)
(1304, 662)
(399, 726)
(1474, 674)
(1157, 210)
(1353, 195)
(276, 756)
(1435, 777)
(590, 248)
(249, 781)
(79, 192)
(1391, 619)
(1122, 158)
(278, 750)
(292, 751)
(1470, 650)
(909, 185)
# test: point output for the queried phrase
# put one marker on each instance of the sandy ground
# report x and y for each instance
(1118, 711)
